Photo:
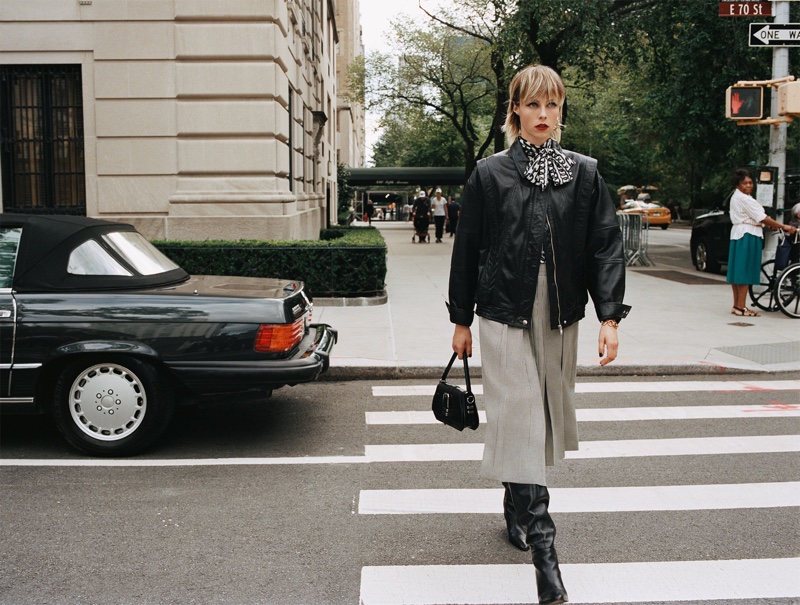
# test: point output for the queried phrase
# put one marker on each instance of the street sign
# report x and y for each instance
(745, 9)
(774, 34)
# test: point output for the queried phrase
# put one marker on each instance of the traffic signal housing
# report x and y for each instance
(789, 99)
(744, 102)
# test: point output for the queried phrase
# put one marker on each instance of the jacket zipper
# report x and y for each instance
(555, 272)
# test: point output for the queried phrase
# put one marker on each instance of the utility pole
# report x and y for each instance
(778, 131)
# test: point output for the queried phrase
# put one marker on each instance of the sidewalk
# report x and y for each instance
(680, 323)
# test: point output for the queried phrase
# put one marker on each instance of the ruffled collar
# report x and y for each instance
(547, 164)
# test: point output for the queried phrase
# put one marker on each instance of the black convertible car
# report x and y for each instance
(104, 332)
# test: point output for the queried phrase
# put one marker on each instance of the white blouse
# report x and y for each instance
(746, 215)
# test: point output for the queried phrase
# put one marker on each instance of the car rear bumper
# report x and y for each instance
(311, 360)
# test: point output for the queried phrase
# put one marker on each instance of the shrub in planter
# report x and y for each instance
(345, 261)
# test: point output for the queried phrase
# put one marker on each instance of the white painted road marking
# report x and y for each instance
(585, 499)
(664, 386)
(620, 414)
(434, 452)
(141, 462)
(670, 582)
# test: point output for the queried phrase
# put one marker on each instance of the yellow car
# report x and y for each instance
(656, 212)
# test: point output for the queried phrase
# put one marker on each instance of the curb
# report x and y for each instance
(352, 301)
(393, 371)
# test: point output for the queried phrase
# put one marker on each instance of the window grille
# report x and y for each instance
(41, 139)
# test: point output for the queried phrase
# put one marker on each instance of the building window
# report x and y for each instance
(41, 139)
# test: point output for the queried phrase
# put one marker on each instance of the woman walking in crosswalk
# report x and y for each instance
(537, 234)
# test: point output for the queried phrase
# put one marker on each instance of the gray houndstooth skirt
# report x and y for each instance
(528, 386)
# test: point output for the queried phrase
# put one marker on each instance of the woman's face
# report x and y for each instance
(538, 119)
(746, 185)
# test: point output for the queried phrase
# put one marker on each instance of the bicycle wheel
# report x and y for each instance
(788, 291)
(763, 294)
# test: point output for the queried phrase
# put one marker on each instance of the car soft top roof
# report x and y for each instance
(44, 250)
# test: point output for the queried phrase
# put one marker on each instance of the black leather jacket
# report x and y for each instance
(506, 220)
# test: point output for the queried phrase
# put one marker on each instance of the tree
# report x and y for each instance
(413, 137)
(580, 33)
(443, 74)
(344, 192)
(686, 57)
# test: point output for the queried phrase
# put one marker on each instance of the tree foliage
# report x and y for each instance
(446, 75)
(646, 84)
(413, 137)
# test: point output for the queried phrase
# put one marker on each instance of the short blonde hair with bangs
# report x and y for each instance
(534, 81)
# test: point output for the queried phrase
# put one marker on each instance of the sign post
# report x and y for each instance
(778, 132)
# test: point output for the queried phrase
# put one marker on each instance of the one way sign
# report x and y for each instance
(774, 34)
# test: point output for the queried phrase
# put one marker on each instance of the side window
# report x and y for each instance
(90, 258)
(9, 245)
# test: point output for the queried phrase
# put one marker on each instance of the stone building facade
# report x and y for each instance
(191, 119)
(350, 119)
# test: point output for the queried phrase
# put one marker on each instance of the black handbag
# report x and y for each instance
(453, 405)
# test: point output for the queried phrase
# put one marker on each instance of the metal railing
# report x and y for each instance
(634, 237)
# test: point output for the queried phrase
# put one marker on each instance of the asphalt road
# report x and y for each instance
(670, 247)
(264, 502)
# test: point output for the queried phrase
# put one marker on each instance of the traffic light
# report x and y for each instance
(744, 102)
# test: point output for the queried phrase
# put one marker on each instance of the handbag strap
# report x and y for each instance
(466, 370)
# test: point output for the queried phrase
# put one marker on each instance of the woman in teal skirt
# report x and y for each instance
(744, 254)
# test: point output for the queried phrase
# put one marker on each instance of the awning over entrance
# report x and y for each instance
(402, 177)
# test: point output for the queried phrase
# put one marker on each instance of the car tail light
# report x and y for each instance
(279, 338)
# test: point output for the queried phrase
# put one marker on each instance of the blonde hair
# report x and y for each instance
(533, 82)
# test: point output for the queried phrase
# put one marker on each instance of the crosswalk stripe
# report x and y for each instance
(585, 499)
(434, 452)
(619, 414)
(586, 583)
(178, 462)
(618, 387)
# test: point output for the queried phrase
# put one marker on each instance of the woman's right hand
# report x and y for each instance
(462, 341)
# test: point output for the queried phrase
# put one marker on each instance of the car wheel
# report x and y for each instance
(704, 260)
(664, 227)
(112, 408)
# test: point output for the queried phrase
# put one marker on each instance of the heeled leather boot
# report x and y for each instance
(530, 503)
(516, 533)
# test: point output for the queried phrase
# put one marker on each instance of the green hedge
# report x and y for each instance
(345, 261)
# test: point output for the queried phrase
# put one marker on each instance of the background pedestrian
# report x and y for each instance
(369, 211)
(747, 241)
(421, 215)
(453, 210)
(439, 207)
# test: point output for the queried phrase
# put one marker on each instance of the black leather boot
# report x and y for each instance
(530, 503)
(516, 533)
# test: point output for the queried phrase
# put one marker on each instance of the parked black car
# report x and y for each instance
(711, 233)
(104, 332)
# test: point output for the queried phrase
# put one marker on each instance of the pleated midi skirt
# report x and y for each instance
(744, 260)
(528, 386)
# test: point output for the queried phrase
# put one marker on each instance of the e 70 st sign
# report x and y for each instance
(745, 9)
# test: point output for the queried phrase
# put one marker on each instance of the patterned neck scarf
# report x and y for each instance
(547, 164)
